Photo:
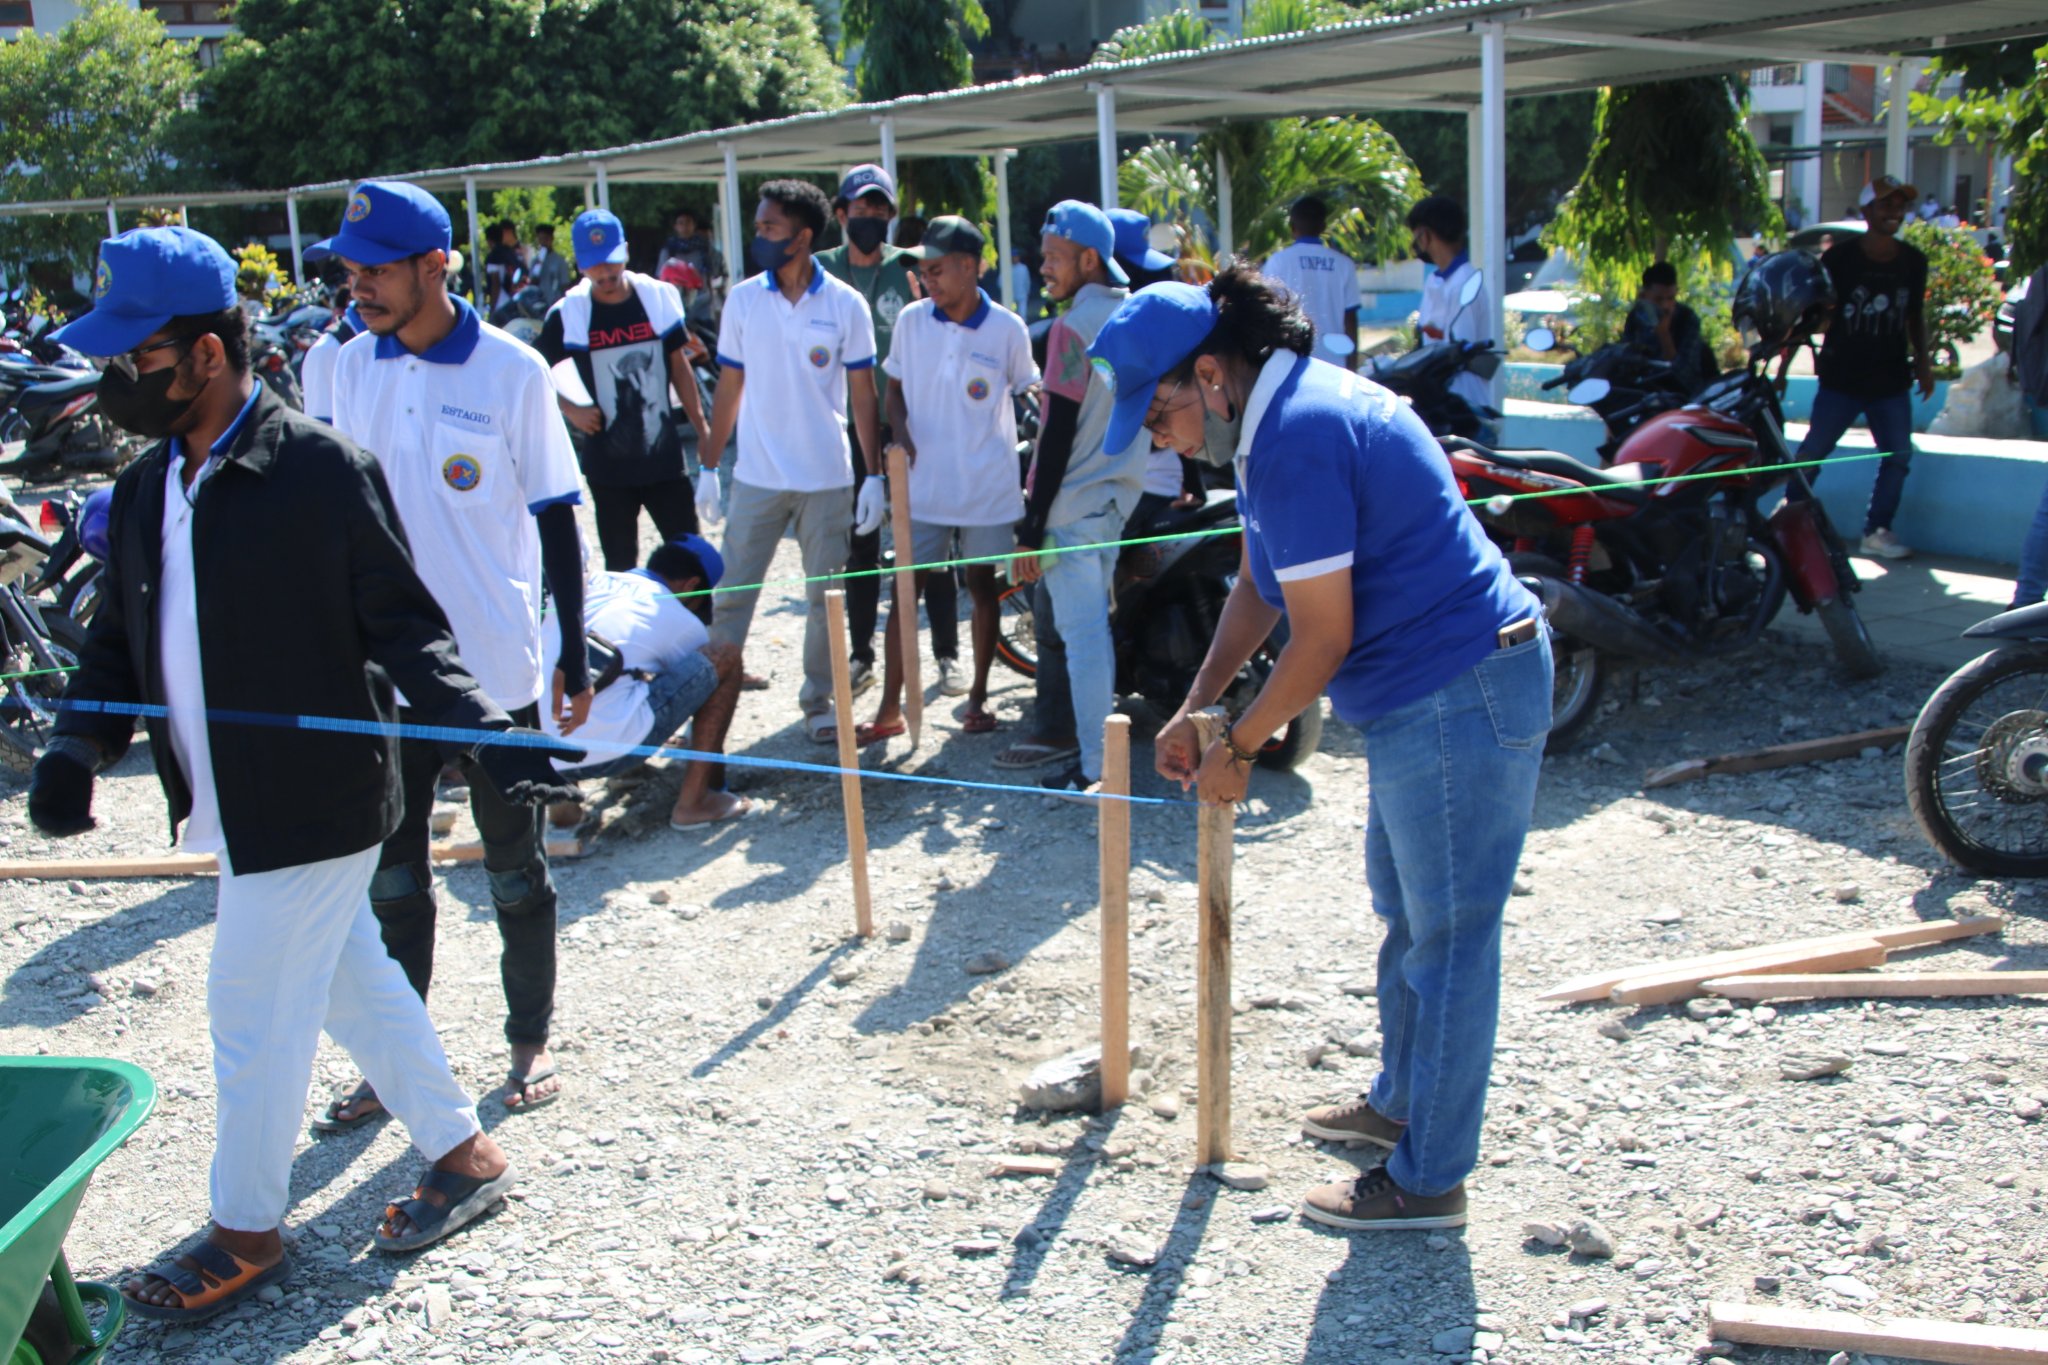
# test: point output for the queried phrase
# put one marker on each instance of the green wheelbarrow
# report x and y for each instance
(60, 1117)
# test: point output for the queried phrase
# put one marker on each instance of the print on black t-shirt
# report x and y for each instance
(1867, 352)
(626, 371)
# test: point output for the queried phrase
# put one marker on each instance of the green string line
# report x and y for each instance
(1179, 535)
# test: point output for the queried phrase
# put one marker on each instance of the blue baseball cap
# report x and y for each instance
(1133, 243)
(713, 562)
(387, 220)
(1146, 339)
(869, 179)
(1085, 225)
(600, 239)
(146, 277)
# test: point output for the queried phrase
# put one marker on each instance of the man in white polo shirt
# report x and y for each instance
(464, 422)
(793, 345)
(955, 364)
(1322, 279)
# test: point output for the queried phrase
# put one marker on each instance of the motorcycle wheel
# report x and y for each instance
(1850, 637)
(1017, 639)
(1578, 673)
(1976, 764)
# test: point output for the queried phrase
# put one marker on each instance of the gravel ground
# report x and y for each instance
(777, 1143)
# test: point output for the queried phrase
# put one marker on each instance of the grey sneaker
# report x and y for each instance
(1373, 1201)
(1882, 544)
(862, 675)
(952, 678)
(1355, 1121)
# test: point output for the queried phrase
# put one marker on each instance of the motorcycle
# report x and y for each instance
(522, 314)
(1423, 376)
(1167, 600)
(1676, 569)
(1638, 387)
(68, 583)
(1977, 760)
(33, 666)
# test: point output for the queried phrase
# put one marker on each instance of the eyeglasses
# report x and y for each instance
(129, 361)
(1156, 419)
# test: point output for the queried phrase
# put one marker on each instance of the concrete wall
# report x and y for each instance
(1527, 380)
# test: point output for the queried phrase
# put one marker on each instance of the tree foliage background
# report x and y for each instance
(2004, 100)
(84, 114)
(920, 47)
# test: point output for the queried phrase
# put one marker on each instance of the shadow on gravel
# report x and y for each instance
(1037, 1237)
(777, 1013)
(30, 999)
(1377, 1304)
(1140, 1344)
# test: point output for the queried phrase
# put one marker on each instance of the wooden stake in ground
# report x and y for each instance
(1212, 965)
(1777, 756)
(1662, 988)
(1114, 814)
(1872, 986)
(1955, 1343)
(906, 593)
(849, 763)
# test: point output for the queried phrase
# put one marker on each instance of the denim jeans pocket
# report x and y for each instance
(1516, 683)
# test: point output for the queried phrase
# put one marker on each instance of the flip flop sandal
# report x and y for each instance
(519, 1085)
(1031, 754)
(222, 1280)
(332, 1122)
(865, 735)
(749, 806)
(977, 722)
(468, 1199)
(821, 728)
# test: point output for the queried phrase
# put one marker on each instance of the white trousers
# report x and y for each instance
(295, 951)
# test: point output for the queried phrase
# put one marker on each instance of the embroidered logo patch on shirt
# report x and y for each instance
(977, 388)
(820, 356)
(462, 472)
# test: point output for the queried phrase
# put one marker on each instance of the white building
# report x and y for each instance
(202, 21)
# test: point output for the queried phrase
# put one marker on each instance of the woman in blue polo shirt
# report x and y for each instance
(1401, 610)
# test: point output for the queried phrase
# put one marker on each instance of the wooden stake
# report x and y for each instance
(1114, 815)
(906, 593)
(203, 864)
(1664, 987)
(1733, 961)
(1954, 1343)
(1212, 966)
(849, 763)
(1867, 986)
(1777, 756)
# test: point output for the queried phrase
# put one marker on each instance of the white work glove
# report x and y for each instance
(872, 506)
(708, 511)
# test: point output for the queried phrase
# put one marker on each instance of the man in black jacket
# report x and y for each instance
(259, 604)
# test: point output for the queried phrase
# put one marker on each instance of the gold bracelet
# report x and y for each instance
(1245, 756)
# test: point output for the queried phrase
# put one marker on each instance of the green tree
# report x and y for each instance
(919, 47)
(2004, 100)
(1962, 289)
(83, 114)
(315, 90)
(1548, 138)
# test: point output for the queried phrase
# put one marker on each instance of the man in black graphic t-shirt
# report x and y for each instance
(627, 336)
(1876, 350)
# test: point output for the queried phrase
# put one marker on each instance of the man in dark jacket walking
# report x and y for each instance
(259, 604)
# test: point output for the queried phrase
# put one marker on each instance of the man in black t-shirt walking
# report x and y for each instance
(1875, 353)
(628, 338)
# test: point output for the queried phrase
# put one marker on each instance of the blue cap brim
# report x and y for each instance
(1154, 261)
(105, 333)
(1127, 419)
(1116, 276)
(361, 250)
(616, 256)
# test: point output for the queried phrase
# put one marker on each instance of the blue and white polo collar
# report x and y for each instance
(453, 349)
(974, 319)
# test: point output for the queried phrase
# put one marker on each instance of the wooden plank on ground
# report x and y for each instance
(1875, 986)
(473, 851)
(1730, 962)
(1777, 756)
(1662, 988)
(1953, 1343)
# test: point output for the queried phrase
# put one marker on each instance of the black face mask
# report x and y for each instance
(866, 234)
(142, 403)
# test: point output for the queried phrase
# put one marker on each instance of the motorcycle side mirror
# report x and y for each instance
(1339, 345)
(1474, 282)
(1539, 339)
(1588, 391)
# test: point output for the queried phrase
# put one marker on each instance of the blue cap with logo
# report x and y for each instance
(707, 555)
(600, 239)
(1134, 242)
(868, 179)
(386, 221)
(1085, 225)
(1144, 341)
(145, 278)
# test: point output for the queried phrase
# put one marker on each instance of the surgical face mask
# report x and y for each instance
(1220, 436)
(141, 403)
(866, 234)
(770, 254)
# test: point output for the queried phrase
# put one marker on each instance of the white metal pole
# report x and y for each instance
(1475, 171)
(1999, 190)
(1105, 144)
(1807, 182)
(731, 199)
(604, 187)
(184, 216)
(291, 219)
(590, 195)
(476, 265)
(1898, 122)
(1226, 212)
(113, 220)
(1493, 111)
(888, 127)
(1004, 246)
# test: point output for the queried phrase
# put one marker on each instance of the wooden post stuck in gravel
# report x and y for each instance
(905, 610)
(1114, 815)
(849, 763)
(1212, 965)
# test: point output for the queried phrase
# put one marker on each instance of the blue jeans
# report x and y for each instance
(1451, 781)
(1076, 657)
(2033, 580)
(674, 695)
(1891, 426)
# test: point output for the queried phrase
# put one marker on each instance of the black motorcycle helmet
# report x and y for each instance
(1781, 301)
